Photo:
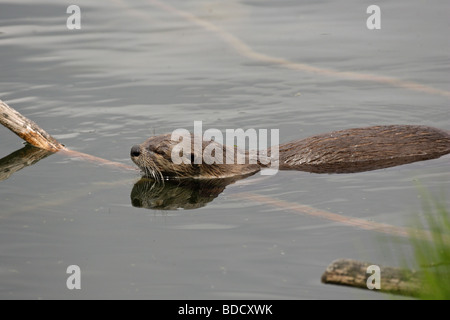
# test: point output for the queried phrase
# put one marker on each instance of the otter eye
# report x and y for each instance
(162, 150)
(157, 151)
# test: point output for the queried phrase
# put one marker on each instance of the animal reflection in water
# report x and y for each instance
(176, 194)
(191, 186)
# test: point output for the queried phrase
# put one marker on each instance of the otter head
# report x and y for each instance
(155, 158)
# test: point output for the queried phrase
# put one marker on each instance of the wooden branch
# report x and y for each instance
(38, 137)
(20, 159)
(353, 273)
(27, 129)
(98, 160)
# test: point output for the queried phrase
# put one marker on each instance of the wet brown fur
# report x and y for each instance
(364, 149)
(345, 151)
(155, 160)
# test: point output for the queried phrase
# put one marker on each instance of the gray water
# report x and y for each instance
(134, 70)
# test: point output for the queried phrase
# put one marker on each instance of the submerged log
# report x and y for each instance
(38, 137)
(354, 273)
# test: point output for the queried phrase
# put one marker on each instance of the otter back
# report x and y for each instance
(363, 149)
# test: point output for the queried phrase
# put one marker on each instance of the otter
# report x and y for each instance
(154, 158)
(344, 151)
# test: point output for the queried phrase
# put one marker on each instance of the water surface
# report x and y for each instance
(135, 70)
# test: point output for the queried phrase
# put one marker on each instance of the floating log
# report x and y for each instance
(354, 273)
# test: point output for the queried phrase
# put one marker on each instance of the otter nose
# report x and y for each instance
(135, 151)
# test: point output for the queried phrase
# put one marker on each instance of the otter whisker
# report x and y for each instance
(161, 175)
(154, 172)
